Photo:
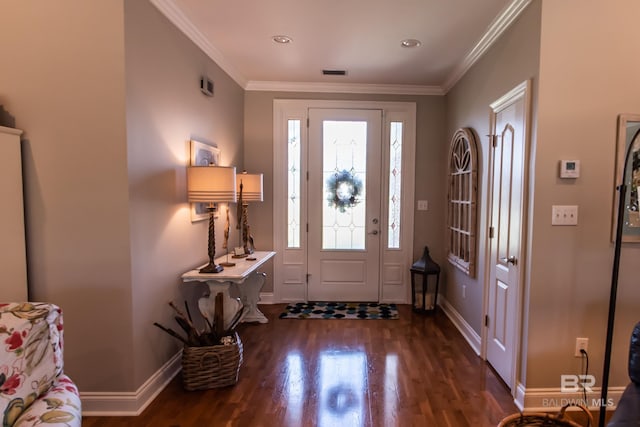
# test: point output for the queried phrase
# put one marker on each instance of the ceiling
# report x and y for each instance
(362, 37)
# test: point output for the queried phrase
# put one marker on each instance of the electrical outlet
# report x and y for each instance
(464, 291)
(581, 344)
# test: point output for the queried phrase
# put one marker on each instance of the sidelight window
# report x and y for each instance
(293, 183)
(395, 184)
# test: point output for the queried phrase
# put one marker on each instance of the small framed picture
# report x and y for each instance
(202, 154)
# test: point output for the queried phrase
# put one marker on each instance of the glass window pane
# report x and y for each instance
(461, 198)
(293, 184)
(395, 185)
(344, 166)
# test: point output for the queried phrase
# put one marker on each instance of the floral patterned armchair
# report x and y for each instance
(34, 391)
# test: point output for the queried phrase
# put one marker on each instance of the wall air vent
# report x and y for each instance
(334, 73)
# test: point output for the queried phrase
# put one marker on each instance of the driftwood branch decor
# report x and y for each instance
(213, 334)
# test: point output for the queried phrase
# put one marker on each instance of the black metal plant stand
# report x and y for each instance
(622, 189)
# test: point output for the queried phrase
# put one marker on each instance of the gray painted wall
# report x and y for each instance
(510, 61)
(64, 81)
(575, 52)
(587, 78)
(108, 102)
(430, 169)
(165, 109)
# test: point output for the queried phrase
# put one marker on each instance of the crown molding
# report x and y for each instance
(271, 86)
(499, 25)
(169, 9)
(508, 15)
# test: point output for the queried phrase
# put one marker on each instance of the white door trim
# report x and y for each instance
(521, 90)
(345, 274)
(290, 265)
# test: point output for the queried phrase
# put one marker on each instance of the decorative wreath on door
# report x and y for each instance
(343, 190)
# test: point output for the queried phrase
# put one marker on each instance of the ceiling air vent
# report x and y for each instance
(334, 73)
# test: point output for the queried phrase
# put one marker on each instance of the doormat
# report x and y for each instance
(340, 310)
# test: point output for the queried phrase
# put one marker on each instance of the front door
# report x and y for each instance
(509, 150)
(344, 203)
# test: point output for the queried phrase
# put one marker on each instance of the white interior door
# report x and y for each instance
(344, 199)
(509, 127)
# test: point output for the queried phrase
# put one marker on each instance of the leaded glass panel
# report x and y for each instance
(344, 170)
(395, 184)
(293, 183)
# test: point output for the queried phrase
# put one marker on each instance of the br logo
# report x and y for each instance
(576, 383)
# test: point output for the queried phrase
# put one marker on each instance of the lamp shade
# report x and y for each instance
(207, 184)
(251, 186)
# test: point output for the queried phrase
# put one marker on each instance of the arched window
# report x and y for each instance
(462, 196)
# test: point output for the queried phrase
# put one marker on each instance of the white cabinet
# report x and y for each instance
(13, 260)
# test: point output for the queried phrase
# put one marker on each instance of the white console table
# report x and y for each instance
(244, 276)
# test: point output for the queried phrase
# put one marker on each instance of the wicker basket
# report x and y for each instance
(212, 366)
(542, 419)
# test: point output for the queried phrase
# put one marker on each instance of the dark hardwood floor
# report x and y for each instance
(415, 371)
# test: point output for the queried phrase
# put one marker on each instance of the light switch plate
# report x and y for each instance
(423, 205)
(564, 215)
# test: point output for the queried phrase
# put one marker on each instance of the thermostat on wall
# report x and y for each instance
(569, 168)
(206, 86)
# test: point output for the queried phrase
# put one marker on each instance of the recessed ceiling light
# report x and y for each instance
(282, 39)
(410, 43)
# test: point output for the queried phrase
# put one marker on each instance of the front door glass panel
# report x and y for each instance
(344, 170)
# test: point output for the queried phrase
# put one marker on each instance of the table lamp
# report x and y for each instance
(249, 189)
(211, 184)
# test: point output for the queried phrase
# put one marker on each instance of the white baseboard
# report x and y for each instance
(131, 403)
(552, 399)
(266, 298)
(269, 298)
(533, 399)
(458, 321)
(526, 399)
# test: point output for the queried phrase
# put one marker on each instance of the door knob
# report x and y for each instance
(374, 232)
(511, 260)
